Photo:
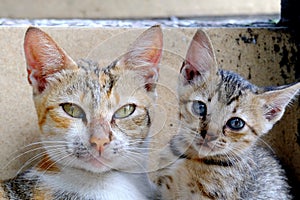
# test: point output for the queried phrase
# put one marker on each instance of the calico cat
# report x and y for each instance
(222, 119)
(94, 122)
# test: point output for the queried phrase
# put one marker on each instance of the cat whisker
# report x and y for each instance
(67, 164)
(42, 143)
(235, 155)
(20, 155)
(37, 157)
(48, 142)
(266, 144)
(147, 149)
(141, 141)
(26, 152)
(134, 151)
(30, 161)
(139, 158)
(48, 167)
(139, 164)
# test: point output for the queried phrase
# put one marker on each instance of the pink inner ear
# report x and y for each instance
(273, 113)
(151, 77)
(276, 101)
(43, 57)
(144, 55)
(152, 70)
(40, 52)
(189, 72)
(37, 62)
(200, 58)
(154, 53)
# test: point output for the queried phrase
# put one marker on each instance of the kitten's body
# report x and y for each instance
(94, 122)
(257, 176)
(222, 118)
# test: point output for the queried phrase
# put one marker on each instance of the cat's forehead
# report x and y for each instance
(97, 84)
(225, 88)
(90, 71)
(87, 84)
(232, 86)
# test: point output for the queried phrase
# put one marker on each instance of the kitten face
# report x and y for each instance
(216, 121)
(222, 114)
(90, 117)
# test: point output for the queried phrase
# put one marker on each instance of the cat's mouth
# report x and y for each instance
(95, 165)
(96, 161)
(208, 145)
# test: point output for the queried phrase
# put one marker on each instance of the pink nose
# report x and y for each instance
(99, 143)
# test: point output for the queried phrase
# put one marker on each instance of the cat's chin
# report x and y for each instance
(96, 165)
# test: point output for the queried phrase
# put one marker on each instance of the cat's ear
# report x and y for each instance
(200, 59)
(43, 57)
(144, 55)
(276, 100)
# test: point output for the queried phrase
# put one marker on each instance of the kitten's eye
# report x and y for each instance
(235, 123)
(73, 110)
(199, 108)
(124, 111)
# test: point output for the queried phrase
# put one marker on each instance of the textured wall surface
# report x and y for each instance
(264, 56)
(133, 8)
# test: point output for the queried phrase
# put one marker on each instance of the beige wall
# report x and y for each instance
(134, 8)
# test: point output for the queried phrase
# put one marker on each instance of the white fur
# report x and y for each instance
(109, 186)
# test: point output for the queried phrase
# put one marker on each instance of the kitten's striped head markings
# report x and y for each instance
(222, 114)
(90, 117)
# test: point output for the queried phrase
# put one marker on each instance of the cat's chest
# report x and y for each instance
(198, 180)
(86, 186)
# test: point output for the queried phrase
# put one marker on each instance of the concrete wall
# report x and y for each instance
(265, 56)
(134, 8)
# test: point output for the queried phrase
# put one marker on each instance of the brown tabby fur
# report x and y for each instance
(222, 118)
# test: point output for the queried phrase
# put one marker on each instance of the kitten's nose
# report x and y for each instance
(99, 143)
(203, 133)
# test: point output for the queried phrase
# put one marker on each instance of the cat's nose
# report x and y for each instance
(99, 143)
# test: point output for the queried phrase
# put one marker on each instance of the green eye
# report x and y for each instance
(124, 111)
(73, 110)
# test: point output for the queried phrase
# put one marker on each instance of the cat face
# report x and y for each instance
(90, 117)
(222, 114)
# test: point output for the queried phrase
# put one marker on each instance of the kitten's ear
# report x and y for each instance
(43, 57)
(275, 101)
(200, 59)
(144, 55)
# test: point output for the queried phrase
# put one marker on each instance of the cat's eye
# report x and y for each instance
(124, 111)
(199, 108)
(235, 123)
(73, 110)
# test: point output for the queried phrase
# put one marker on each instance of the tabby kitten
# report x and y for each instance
(223, 117)
(94, 122)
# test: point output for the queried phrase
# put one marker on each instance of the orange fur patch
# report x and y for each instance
(41, 195)
(43, 116)
(46, 164)
(117, 97)
(60, 122)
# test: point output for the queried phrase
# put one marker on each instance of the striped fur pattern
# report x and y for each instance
(94, 122)
(222, 118)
